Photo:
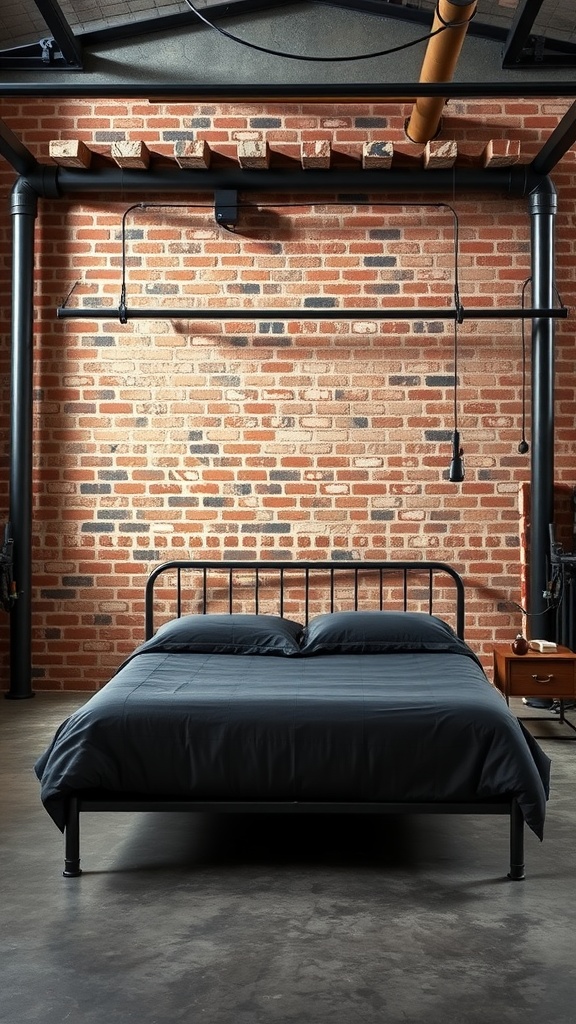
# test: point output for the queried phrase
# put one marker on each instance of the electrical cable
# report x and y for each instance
(297, 56)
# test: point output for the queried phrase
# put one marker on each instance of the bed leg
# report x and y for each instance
(72, 841)
(516, 872)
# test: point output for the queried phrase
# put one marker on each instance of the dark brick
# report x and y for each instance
(385, 234)
(145, 556)
(265, 528)
(106, 136)
(113, 513)
(437, 435)
(370, 122)
(78, 581)
(181, 501)
(340, 555)
(95, 489)
(428, 327)
(113, 474)
(359, 421)
(285, 474)
(161, 288)
(102, 620)
(58, 595)
(385, 514)
(440, 381)
(106, 341)
(177, 136)
(97, 528)
(135, 527)
(265, 122)
(204, 449)
(379, 261)
(271, 327)
(404, 380)
(213, 502)
(314, 302)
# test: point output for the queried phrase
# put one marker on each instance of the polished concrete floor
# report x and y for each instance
(310, 920)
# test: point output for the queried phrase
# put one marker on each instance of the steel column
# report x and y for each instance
(543, 207)
(24, 205)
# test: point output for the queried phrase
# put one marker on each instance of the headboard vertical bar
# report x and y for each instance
(356, 589)
(204, 590)
(381, 595)
(230, 588)
(178, 592)
(331, 588)
(430, 595)
(282, 591)
(405, 574)
(306, 595)
(257, 591)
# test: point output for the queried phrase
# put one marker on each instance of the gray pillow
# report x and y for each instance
(237, 633)
(364, 632)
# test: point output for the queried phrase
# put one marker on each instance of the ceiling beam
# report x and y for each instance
(15, 152)
(60, 28)
(558, 143)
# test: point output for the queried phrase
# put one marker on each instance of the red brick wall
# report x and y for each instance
(163, 439)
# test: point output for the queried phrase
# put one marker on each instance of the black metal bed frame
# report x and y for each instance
(404, 585)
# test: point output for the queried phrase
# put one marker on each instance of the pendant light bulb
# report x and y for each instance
(456, 472)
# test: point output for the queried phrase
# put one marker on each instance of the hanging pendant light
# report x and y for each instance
(456, 471)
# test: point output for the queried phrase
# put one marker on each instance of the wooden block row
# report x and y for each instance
(256, 154)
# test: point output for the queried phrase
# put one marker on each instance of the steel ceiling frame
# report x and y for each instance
(63, 49)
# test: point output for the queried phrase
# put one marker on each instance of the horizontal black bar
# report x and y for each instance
(288, 806)
(312, 313)
(272, 93)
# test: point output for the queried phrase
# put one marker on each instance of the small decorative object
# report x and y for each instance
(520, 645)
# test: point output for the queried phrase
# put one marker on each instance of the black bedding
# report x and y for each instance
(410, 720)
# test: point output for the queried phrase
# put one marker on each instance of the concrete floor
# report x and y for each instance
(310, 920)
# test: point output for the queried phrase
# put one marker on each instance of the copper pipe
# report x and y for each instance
(439, 64)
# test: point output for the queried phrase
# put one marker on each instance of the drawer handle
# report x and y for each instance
(538, 679)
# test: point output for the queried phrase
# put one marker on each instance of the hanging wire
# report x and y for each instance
(523, 446)
(458, 308)
(446, 25)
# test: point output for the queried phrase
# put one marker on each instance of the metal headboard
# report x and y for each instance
(180, 587)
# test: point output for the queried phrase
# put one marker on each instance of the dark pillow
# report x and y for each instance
(364, 632)
(226, 634)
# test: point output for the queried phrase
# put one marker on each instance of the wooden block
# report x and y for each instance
(193, 153)
(316, 154)
(253, 154)
(440, 154)
(377, 155)
(131, 154)
(70, 153)
(501, 153)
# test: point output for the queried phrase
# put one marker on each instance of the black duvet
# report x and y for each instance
(405, 725)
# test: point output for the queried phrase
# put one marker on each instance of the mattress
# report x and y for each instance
(407, 726)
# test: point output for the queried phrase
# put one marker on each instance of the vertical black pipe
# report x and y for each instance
(24, 205)
(543, 206)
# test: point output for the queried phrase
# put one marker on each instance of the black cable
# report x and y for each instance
(297, 56)
(523, 446)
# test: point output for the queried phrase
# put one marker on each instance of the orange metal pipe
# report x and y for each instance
(439, 64)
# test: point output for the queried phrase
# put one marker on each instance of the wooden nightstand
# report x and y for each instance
(536, 675)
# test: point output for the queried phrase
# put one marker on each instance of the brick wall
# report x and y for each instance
(316, 439)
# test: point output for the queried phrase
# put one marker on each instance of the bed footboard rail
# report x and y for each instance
(301, 589)
(170, 804)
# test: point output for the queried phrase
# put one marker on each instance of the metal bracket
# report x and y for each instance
(226, 207)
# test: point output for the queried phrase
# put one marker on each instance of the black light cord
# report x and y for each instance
(523, 446)
(297, 56)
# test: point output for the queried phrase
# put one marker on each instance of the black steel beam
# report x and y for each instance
(60, 28)
(15, 152)
(557, 145)
(516, 180)
(271, 92)
(519, 32)
(543, 207)
(125, 314)
(24, 204)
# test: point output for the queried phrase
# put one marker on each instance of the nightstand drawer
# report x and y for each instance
(554, 678)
